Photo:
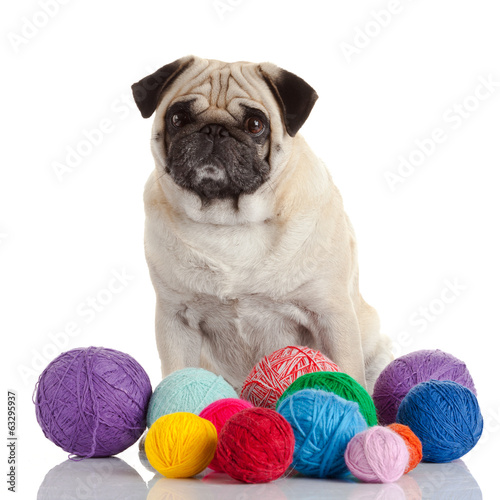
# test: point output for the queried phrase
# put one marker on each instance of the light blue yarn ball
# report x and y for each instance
(189, 390)
(446, 418)
(323, 424)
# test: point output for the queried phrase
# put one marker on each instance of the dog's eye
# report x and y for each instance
(180, 119)
(254, 125)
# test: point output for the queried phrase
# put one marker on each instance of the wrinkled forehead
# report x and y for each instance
(227, 89)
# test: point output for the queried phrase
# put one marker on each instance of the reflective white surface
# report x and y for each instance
(60, 239)
(113, 478)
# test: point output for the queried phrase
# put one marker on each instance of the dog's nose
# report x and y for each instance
(215, 130)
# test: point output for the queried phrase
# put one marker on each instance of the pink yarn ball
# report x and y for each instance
(272, 375)
(377, 455)
(217, 413)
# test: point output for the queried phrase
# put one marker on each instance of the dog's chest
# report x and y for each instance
(247, 289)
(232, 262)
(247, 298)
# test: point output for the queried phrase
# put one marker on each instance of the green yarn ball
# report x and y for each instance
(187, 390)
(340, 384)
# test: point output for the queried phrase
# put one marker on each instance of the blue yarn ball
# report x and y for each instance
(323, 424)
(187, 390)
(446, 418)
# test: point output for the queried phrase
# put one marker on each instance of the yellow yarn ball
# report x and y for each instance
(180, 444)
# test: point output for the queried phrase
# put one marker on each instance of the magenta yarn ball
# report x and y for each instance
(377, 455)
(92, 402)
(218, 413)
(407, 371)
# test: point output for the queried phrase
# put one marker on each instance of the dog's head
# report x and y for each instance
(220, 127)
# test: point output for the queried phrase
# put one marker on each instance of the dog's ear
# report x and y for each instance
(148, 90)
(295, 97)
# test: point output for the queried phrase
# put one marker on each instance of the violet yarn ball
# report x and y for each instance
(407, 371)
(377, 455)
(92, 401)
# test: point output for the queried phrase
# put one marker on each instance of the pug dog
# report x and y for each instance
(247, 242)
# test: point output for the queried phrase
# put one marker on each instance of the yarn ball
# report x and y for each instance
(180, 444)
(187, 390)
(405, 372)
(274, 373)
(256, 445)
(446, 418)
(377, 455)
(92, 401)
(218, 413)
(339, 383)
(412, 443)
(323, 424)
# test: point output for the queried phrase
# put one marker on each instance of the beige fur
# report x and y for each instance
(233, 285)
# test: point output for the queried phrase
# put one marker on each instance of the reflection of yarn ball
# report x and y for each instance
(323, 424)
(256, 445)
(339, 383)
(377, 455)
(412, 443)
(274, 373)
(187, 390)
(213, 486)
(218, 413)
(91, 479)
(92, 401)
(407, 371)
(446, 418)
(181, 444)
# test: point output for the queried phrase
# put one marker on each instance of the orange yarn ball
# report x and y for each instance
(412, 443)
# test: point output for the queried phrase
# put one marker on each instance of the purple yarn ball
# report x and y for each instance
(92, 402)
(407, 371)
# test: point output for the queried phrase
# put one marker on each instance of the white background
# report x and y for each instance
(62, 237)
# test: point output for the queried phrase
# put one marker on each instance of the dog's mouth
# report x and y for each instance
(212, 170)
(210, 180)
(224, 168)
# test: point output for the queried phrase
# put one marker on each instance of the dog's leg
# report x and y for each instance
(339, 338)
(177, 339)
(376, 346)
(377, 359)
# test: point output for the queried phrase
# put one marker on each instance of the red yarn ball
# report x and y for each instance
(412, 443)
(218, 413)
(272, 375)
(256, 445)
